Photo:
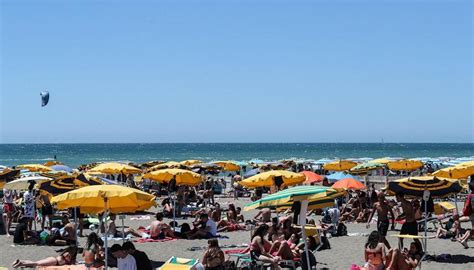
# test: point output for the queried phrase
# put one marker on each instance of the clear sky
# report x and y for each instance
(237, 71)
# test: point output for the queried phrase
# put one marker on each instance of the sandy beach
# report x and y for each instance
(344, 250)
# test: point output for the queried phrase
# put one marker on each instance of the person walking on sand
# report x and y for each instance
(8, 209)
(382, 209)
(410, 226)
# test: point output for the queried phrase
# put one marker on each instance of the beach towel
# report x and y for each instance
(234, 251)
(149, 240)
(140, 218)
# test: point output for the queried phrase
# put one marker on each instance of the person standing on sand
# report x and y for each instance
(410, 226)
(382, 209)
(29, 205)
(8, 209)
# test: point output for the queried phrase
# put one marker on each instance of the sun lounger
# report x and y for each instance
(175, 263)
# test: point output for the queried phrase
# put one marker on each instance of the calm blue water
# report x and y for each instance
(76, 154)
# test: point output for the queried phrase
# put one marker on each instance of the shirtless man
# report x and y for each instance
(160, 230)
(410, 226)
(383, 221)
(263, 216)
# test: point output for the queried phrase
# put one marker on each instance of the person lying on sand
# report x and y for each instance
(67, 257)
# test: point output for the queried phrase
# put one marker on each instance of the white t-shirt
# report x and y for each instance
(29, 204)
(213, 227)
(127, 263)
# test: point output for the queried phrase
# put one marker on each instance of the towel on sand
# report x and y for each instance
(149, 240)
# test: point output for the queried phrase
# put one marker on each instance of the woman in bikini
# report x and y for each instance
(406, 259)
(374, 252)
(67, 257)
(93, 253)
(257, 248)
(213, 257)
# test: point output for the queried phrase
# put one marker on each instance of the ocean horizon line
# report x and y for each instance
(65, 143)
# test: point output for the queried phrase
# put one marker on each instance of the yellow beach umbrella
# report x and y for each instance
(190, 162)
(182, 177)
(91, 199)
(267, 179)
(167, 165)
(52, 163)
(405, 165)
(339, 165)
(381, 161)
(35, 167)
(115, 168)
(456, 172)
(228, 165)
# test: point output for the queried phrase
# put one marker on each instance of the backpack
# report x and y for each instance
(324, 243)
(341, 229)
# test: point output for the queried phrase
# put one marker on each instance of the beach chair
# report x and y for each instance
(175, 263)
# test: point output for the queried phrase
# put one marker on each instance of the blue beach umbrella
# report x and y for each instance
(252, 173)
(61, 168)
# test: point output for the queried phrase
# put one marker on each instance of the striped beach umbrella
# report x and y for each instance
(415, 186)
(317, 196)
(34, 167)
(268, 179)
(67, 183)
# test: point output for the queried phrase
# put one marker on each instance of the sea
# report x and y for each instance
(76, 154)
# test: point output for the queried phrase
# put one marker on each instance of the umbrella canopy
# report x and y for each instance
(368, 166)
(52, 162)
(338, 176)
(65, 184)
(35, 167)
(460, 171)
(61, 168)
(23, 183)
(266, 179)
(207, 166)
(339, 165)
(312, 177)
(190, 162)
(151, 163)
(228, 165)
(349, 183)
(8, 175)
(405, 165)
(318, 197)
(115, 168)
(183, 177)
(167, 165)
(91, 199)
(252, 173)
(415, 186)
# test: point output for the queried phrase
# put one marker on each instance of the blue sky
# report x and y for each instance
(237, 71)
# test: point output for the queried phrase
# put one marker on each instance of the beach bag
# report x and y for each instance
(324, 243)
(467, 211)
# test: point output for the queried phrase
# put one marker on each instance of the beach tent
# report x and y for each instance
(105, 199)
(424, 187)
(34, 167)
(349, 183)
(24, 182)
(339, 165)
(267, 179)
(115, 168)
(312, 177)
(316, 196)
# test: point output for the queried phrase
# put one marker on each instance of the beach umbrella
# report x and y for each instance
(168, 165)
(424, 187)
(312, 177)
(61, 168)
(228, 165)
(24, 182)
(7, 175)
(349, 183)
(252, 173)
(404, 165)
(64, 184)
(151, 163)
(190, 162)
(338, 176)
(368, 166)
(35, 167)
(52, 162)
(304, 195)
(339, 165)
(115, 168)
(106, 199)
(267, 179)
(460, 171)
(182, 177)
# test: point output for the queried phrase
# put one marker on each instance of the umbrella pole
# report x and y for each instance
(174, 211)
(106, 234)
(123, 231)
(304, 208)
